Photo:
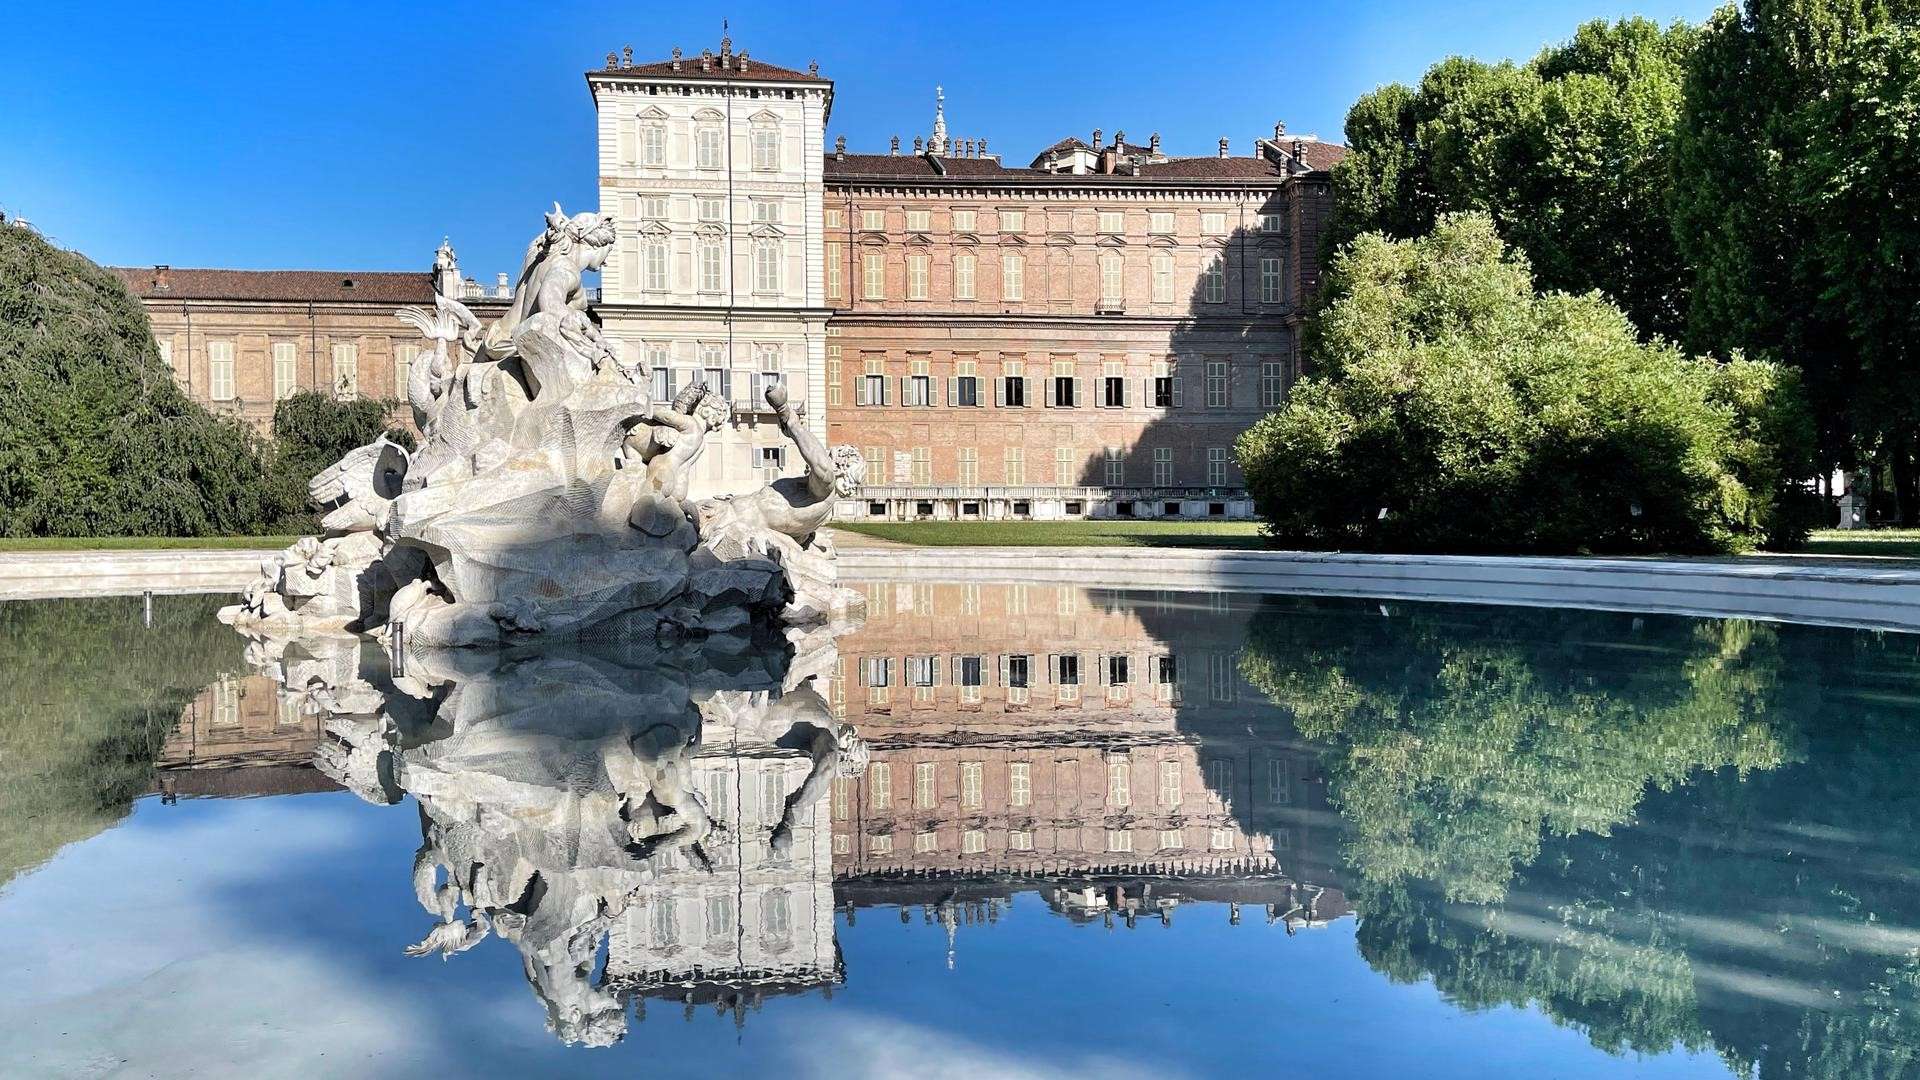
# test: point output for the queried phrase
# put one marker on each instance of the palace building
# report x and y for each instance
(1083, 335)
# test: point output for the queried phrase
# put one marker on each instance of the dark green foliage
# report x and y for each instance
(1483, 417)
(96, 439)
(1568, 154)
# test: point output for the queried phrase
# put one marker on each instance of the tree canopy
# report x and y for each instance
(1452, 408)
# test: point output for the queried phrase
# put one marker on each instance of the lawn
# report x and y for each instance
(1201, 534)
(1893, 543)
(141, 543)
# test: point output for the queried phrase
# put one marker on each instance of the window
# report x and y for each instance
(1064, 385)
(1169, 783)
(1116, 467)
(923, 785)
(666, 922)
(706, 147)
(968, 474)
(1119, 840)
(926, 842)
(653, 143)
(772, 457)
(1119, 670)
(1113, 222)
(404, 356)
(1019, 840)
(880, 785)
(873, 220)
(1222, 840)
(166, 352)
(922, 465)
(1273, 383)
(1217, 390)
(1119, 782)
(1067, 669)
(1269, 223)
(712, 259)
(1163, 279)
(719, 917)
(963, 277)
(873, 276)
(923, 670)
(835, 254)
(1111, 278)
(967, 669)
(1019, 668)
(1270, 279)
(919, 221)
(346, 370)
(970, 794)
(834, 395)
(1213, 280)
(872, 390)
(653, 207)
(1160, 222)
(963, 221)
(965, 388)
(710, 208)
(973, 842)
(766, 211)
(662, 376)
(1019, 784)
(1216, 466)
(1278, 793)
(917, 276)
(1013, 386)
(1166, 385)
(766, 148)
(1171, 839)
(286, 378)
(767, 358)
(715, 372)
(1213, 222)
(654, 264)
(1163, 466)
(1016, 465)
(918, 389)
(220, 370)
(1113, 385)
(880, 845)
(1063, 468)
(1013, 277)
(766, 265)
(1013, 221)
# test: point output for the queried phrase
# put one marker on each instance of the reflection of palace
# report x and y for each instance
(703, 815)
(241, 736)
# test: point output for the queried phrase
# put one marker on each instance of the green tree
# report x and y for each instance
(1796, 166)
(1442, 381)
(96, 439)
(1569, 154)
(310, 432)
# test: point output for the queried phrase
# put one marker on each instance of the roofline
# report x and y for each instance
(702, 78)
(1070, 180)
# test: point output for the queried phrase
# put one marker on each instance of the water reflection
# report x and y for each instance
(1657, 831)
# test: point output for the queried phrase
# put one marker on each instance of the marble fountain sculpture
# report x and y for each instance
(631, 802)
(548, 497)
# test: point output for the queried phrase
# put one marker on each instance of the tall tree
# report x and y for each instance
(1794, 206)
(1569, 154)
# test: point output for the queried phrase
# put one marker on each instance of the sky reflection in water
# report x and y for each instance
(1283, 833)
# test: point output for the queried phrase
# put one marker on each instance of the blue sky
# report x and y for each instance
(353, 136)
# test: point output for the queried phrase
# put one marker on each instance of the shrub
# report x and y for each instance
(310, 432)
(1453, 409)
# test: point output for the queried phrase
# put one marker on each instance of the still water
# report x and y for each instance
(994, 830)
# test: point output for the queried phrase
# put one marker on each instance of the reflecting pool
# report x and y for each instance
(991, 830)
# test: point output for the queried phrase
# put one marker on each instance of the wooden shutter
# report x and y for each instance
(1173, 374)
(1000, 392)
(1079, 395)
(1050, 401)
(860, 391)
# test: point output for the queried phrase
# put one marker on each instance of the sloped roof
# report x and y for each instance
(732, 66)
(320, 286)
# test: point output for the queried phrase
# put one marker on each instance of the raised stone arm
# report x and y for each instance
(820, 468)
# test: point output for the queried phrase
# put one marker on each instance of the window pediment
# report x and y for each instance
(709, 116)
(1061, 240)
(654, 228)
(762, 229)
(764, 117)
(653, 112)
(1111, 242)
(1011, 240)
(966, 240)
(1163, 242)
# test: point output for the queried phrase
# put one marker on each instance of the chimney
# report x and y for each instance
(626, 56)
(840, 148)
(893, 148)
(1096, 138)
(983, 148)
(740, 61)
(813, 68)
(1108, 160)
(613, 60)
(500, 286)
(1279, 130)
(162, 278)
(706, 59)
(919, 146)
(1223, 148)
(1153, 144)
(1120, 141)
(676, 58)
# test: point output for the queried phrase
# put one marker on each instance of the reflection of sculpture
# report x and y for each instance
(571, 800)
(548, 496)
